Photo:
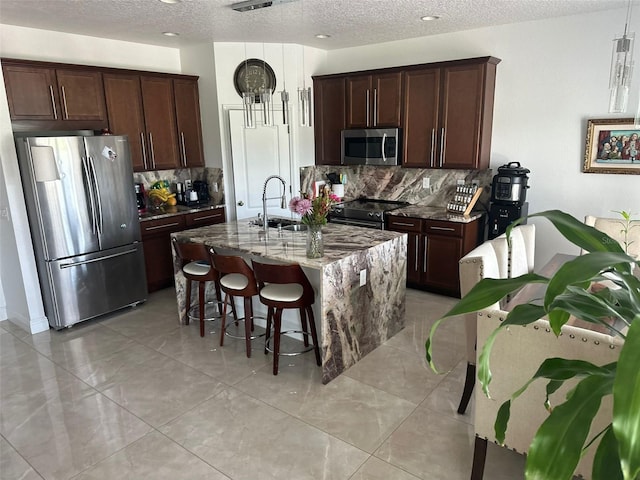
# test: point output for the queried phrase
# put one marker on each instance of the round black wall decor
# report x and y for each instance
(253, 75)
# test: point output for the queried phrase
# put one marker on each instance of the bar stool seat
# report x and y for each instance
(286, 286)
(196, 267)
(236, 280)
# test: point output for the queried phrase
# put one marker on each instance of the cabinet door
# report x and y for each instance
(359, 98)
(160, 121)
(461, 116)
(415, 258)
(387, 98)
(81, 95)
(440, 268)
(421, 116)
(329, 103)
(156, 242)
(126, 116)
(188, 122)
(32, 93)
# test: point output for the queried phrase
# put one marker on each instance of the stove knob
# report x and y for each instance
(378, 215)
(371, 214)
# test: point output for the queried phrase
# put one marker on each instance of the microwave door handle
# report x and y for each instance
(384, 141)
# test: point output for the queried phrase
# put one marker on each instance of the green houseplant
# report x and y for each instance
(561, 438)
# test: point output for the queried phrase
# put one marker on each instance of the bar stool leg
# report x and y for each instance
(276, 339)
(303, 322)
(248, 324)
(218, 296)
(268, 332)
(314, 336)
(201, 306)
(188, 300)
(223, 319)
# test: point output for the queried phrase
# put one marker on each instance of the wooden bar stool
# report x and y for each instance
(196, 267)
(236, 280)
(286, 286)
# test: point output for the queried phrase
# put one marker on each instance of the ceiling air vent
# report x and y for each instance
(256, 4)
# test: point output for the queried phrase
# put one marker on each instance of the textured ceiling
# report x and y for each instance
(349, 22)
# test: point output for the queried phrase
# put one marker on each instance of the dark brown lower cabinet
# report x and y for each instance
(434, 248)
(156, 241)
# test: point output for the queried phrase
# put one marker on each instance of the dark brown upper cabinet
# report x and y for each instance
(188, 122)
(329, 103)
(374, 100)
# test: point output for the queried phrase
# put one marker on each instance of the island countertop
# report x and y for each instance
(340, 241)
(360, 282)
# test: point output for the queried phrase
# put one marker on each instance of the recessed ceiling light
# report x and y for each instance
(171, 1)
(428, 18)
(170, 34)
(323, 35)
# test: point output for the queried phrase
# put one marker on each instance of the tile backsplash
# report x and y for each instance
(213, 176)
(397, 183)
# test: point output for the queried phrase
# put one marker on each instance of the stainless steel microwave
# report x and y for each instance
(371, 146)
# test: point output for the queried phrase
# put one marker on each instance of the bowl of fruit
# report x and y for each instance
(160, 195)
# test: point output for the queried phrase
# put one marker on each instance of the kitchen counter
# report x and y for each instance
(435, 213)
(168, 211)
(355, 312)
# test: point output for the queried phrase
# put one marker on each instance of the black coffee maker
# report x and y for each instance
(202, 189)
(508, 194)
(140, 201)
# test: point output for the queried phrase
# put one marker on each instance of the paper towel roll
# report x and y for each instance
(338, 189)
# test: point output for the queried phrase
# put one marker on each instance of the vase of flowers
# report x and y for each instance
(314, 211)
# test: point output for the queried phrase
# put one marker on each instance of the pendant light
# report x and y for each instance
(284, 95)
(265, 95)
(304, 94)
(248, 100)
(621, 69)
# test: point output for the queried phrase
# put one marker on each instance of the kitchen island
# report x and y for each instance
(355, 312)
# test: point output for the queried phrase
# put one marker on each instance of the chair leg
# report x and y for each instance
(201, 306)
(223, 318)
(218, 295)
(248, 324)
(187, 302)
(276, 339)
(469, 382)
(305, 328)
(314, 336)
(268, 331)
(479, 457)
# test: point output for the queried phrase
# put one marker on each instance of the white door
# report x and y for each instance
(258, 153)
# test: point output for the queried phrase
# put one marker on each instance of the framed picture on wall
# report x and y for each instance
(613, 146)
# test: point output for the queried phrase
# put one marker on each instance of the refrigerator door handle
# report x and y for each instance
(92, 200)
(96, 190)
(100, 259)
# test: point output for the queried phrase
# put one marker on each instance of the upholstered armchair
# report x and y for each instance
(516, 355)
(488, 260)
(614, 228)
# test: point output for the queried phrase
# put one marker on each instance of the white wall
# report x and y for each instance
(19, 286)
(553, 77)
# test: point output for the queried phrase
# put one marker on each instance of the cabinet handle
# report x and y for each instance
(433, 146)
(144, 150)
(64, 103)
(184, 150)
(403, 224)
(157, 227)
(367, 106)
(153, 155)
(424, 259)
(375, 107)
(53, 103)
(417, 253)
(199, 219)
(441, 147)
(446, 229)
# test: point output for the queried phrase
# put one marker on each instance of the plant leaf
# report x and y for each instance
(502, 419)
(606, 462)
(524, 314)
(557, 445)
(626, 402)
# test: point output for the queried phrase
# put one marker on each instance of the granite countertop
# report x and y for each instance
(435, 213)
(168, 211)
(340, 241)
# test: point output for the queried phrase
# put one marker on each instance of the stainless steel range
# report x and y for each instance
(364, 212)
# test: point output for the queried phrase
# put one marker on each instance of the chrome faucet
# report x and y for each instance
(283, 199)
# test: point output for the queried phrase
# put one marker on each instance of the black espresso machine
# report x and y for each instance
(508, 194)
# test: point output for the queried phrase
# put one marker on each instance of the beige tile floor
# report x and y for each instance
(137, 396)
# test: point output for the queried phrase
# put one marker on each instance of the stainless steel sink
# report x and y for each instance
(298, 227)
(282, 222)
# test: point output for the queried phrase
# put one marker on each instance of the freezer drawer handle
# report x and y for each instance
(84, 262)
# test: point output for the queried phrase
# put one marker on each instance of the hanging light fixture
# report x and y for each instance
(265, 95)
(304, 94)
(621, 69)
(248, 100)
(284, 95)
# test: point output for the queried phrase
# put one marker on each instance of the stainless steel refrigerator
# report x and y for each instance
(84, 224)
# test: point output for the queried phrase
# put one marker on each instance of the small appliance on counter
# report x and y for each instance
(508, 194)
(192, 193)
(140, 200)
